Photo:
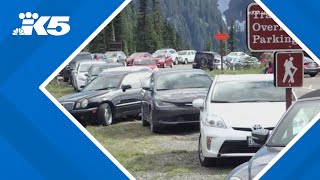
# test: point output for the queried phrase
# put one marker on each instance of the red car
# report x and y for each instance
(136, 55)
(163, 60)
(147, 62)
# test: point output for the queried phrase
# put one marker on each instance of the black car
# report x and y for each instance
(296, 118)
(206, 60)
(96, 69)
(106, 98)
(66, 72)
(310, 67)
(168, 96)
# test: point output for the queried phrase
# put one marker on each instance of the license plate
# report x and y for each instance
(251, 143)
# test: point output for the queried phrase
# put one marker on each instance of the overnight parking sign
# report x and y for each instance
(264, 34)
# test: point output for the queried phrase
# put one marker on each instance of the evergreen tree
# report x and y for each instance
(157, 23)
(178, 42)
(142, 42)
(232, 42)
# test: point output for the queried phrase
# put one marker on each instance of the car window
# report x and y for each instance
(132, 79)
(104, 83)
(247, 91)
(172, 52)
(84, 67)
(182, 81)
(294, 121)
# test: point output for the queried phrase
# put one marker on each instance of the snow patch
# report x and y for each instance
(223, 5)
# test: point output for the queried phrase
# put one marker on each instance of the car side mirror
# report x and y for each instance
(125, 87)
(198, 103)
(260, 136)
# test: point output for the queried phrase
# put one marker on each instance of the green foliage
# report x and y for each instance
(148, 25)
(232, 42)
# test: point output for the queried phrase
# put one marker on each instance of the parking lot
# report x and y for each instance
(170, 155)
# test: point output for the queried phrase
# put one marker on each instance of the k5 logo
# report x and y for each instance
(57, 25)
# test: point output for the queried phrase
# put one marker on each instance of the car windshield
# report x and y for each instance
(82, 57)
(104, 83)
(160, 53)
(144, 62)
(97, 70)
(183, 80)
(111, 54)
(247, 91)
(84, 67)
(295, 120)
(234, 54)
(137, 55)
(182, 52)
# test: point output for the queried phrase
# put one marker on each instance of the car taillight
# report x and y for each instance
(306, 64)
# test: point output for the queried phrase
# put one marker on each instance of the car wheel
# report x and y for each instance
(171, 66)
(176, 62)
(313, 74)
(105, 114)
(155, 128)
(143, 119)
(205, 161)
(65, 79)
(185, 61)
(164, 65)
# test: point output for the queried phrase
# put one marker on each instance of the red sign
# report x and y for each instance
(264, 34)
(222, 36)
(289, 70)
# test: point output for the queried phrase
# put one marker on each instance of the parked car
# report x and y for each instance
(186, 56)
(147, 62)
(116, 57)
(232, 55)
(99, 56)
(78, 75)
(311, 67)
(137, 55)
(295, 119)
(254, 102)
(266, 57)
(168, 95)
(109, 96)
(96, 69)
(168, 52)
(206, 60)
(163, 60)
(127, 68)
(66, 72)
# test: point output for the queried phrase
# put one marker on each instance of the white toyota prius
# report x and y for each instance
(235, 106)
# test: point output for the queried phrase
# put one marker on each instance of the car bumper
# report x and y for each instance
(85, 116)
(311, 70)
(217, 142)
(160, 64)
(175, 115)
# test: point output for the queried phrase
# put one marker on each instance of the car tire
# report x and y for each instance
(205, 161)
(164, 65)
(155, 128)
(313, 74)
(171, 66)
(65, 79)
(145, 123)
(185, 61)
(176, 62)
(105, 116)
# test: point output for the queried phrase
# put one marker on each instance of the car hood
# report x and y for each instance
(261, 159)
(181, 95)
(245, 115)
(82, 95)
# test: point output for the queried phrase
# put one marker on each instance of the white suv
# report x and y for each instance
(186, 56)
(79, 74)
(235, 106)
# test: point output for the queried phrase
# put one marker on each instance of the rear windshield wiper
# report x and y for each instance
(163, 89)
(218, 101)
(105, 88)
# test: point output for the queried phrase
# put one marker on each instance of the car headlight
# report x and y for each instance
(78, 105)
(165, 104)
(215, 121)
(234, 178)
(84, 103)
